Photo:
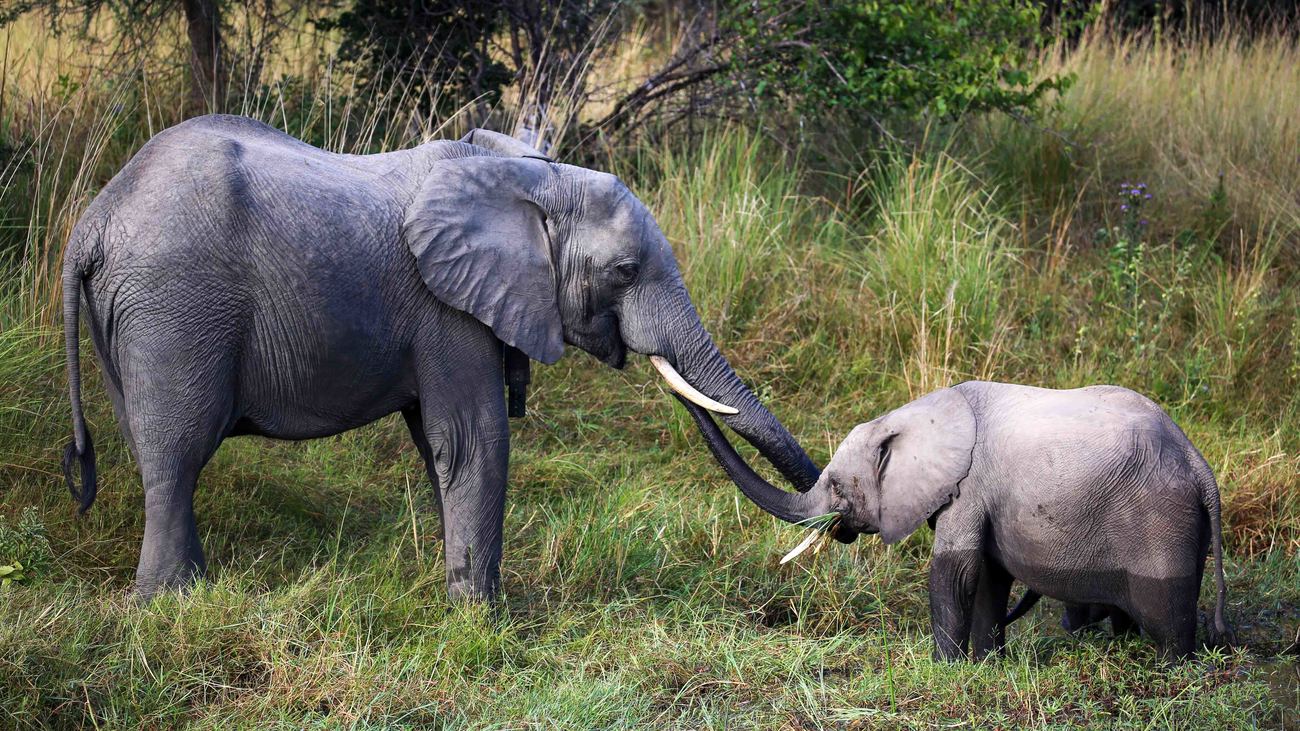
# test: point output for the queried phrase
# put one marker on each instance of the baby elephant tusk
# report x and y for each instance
(687, 391)
(813, 535)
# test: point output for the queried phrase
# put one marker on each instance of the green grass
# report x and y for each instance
(640, 589)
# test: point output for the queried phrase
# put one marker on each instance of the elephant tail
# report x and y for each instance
(1211, 504)
(1023, 606)
(81, 449)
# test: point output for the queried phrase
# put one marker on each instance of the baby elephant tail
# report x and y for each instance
(81, 449)
(1023, 606)
(1210, 502)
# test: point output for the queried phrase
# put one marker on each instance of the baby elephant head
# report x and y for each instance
(887, 477)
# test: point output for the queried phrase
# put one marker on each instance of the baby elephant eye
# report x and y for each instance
(626, 272)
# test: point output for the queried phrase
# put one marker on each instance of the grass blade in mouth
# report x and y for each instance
(822, 526)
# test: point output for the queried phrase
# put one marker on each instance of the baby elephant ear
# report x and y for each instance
(504, 144)
(924, 453)
(481, 245)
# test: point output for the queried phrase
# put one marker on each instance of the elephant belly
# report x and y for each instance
(313, 372)
(1050, 563)
(1102, 556)
(322, 407)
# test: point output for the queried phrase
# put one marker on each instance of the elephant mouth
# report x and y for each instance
(847, 528)
(845, 534)
(602, 340)
(614, 355)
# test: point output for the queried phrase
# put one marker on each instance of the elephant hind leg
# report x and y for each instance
(1165, 609)
(177, 420)
(114, 389)
(171, 556)
(1121, 624)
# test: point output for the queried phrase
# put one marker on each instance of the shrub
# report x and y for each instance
(871, 57)
(24, 549)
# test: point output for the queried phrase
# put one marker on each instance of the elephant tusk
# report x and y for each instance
(826, 528)
(688, 391)
(812, 537)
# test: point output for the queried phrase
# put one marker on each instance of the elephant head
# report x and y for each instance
(887, 477)
(547, 254)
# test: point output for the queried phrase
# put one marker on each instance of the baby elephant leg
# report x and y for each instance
(1079, 617)
(988, 630)
(954, 580)
(1166, 611)
(956, 571)
(1120, 623)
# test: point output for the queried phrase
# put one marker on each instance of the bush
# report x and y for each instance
(24, 549)
(943, 58)
(435, 49)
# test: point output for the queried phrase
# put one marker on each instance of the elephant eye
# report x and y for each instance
(626, 272)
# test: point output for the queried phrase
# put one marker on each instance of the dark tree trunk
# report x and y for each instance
(207, 64)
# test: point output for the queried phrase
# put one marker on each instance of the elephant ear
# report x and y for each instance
(504, 144)
(923, 452)
(481, 246)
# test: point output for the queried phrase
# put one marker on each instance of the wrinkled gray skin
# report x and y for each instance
(239, 281)
(1091, 496)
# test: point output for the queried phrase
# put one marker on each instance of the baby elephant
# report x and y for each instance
(1092, 496)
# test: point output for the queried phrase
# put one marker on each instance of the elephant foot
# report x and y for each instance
(473, 589)
(146, 588)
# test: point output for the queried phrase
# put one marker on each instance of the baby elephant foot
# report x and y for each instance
(946, 650)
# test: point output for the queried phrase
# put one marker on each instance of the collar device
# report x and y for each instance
(518, 373)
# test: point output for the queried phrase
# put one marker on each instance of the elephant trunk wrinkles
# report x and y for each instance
(704, 367)
(792, 507)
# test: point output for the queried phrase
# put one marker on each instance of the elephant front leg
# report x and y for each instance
(473, 514)
(956, 571)
(954, 579)
(470, 469)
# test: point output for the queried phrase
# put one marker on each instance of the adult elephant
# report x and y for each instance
(239, 281)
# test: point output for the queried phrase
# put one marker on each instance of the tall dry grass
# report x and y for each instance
(1179, 116)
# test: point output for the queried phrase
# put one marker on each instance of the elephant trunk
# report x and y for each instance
(702, 366)
(659, 320)
(792, 507)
